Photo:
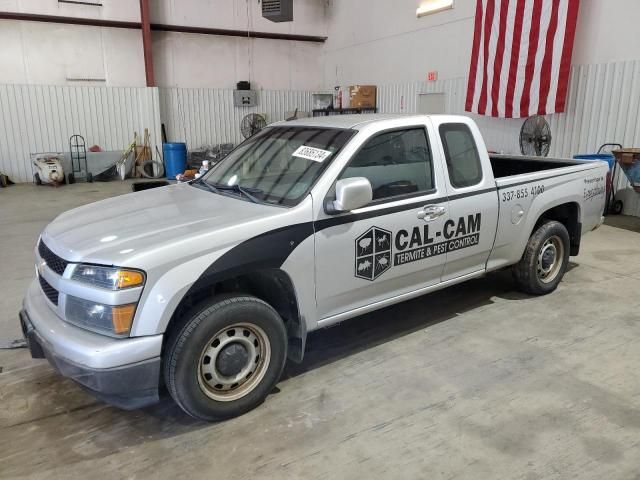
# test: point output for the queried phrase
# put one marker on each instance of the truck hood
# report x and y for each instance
(120, 228)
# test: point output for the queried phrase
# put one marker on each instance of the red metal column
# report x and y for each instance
(146, 42)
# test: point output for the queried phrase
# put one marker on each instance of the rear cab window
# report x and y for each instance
(461, 155)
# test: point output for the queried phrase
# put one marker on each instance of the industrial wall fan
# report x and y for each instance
(535, 137)
(252, 124)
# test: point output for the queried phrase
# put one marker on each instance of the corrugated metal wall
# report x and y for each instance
(603, 107)
(37, 118)
(206, 116)
(42, 118)
(499, 134)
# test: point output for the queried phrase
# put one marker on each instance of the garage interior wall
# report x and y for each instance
(41, 118)
(202, 61)
(603, 107)
(604, 94)
(57, 80)
(206, 116)
(57, 54)
(196, 73)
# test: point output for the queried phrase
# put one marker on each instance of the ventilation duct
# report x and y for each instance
(278, 10)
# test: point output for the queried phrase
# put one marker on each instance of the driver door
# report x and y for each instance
(392, 245)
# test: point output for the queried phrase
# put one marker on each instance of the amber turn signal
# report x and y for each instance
(122, 318)
(129, 278)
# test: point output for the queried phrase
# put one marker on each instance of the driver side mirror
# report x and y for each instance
(351, 193)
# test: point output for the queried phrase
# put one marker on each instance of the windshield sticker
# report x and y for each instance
(311, 153)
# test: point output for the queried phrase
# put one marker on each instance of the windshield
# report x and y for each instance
(279, 165)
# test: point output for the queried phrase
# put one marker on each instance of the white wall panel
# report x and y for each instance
(308, 18)
(37, 118)
(187, 60)
(58, 54)
(206, 116)
(122, 10)
(382, 42)
(500, 135)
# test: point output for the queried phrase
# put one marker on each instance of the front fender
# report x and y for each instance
(159, 302)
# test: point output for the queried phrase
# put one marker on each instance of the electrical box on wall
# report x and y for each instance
(245, 98)
(278, 10)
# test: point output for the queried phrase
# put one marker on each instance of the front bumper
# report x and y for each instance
(122, 372)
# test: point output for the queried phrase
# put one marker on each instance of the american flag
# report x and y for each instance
(521, 57)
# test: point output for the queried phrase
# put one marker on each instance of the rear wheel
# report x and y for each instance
(71, 179)
(617, 208)
(36, 179)
(226, 358)
(545, 259)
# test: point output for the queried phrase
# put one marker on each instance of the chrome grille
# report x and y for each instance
(54, 262)
(48, 290)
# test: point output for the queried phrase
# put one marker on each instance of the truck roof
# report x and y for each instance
(345, 121)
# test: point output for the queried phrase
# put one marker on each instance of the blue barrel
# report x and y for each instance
(605, 157)
(175, 158)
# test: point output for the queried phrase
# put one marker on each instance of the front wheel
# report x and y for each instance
(544, 261)
(226, 358)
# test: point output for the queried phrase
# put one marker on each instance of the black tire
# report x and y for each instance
(71, 179)
(36, 178)
(617, 207)
(530, 272)
(89, 178)
(188, 344)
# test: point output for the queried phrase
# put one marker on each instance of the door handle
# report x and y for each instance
(431, 212)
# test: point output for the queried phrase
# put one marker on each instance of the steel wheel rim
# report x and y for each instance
(224, 388)
(548, 270)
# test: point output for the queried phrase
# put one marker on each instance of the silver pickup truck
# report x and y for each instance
(209, 287)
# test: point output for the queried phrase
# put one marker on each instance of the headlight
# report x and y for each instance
(108, 277)
(112, 320)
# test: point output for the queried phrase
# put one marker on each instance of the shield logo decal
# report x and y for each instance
(373, 253)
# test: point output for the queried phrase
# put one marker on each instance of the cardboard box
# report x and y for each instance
(627, 156)
(362, 96)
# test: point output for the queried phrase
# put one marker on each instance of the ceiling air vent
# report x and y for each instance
(277, 10)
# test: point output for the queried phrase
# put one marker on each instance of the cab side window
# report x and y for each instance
(461, 154)
(396, 163)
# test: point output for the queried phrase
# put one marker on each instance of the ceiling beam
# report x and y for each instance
(146, 43)
(94, 22)
(158, 27)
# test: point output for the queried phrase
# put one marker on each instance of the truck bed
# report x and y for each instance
(507, 166)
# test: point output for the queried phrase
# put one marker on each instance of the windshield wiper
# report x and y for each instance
(206, 185)
(242, 190)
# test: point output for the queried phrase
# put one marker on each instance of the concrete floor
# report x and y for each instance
(474, 382)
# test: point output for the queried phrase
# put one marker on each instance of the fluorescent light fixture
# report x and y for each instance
(427, 7)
